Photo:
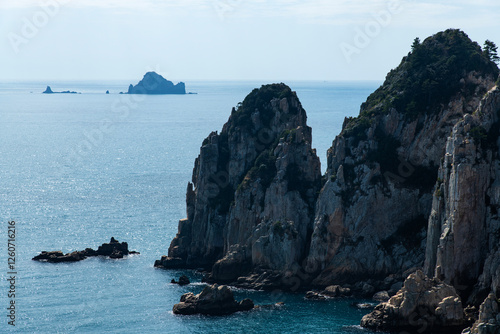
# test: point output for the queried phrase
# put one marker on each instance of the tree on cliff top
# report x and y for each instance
(490, 51)
(416, 44)
(426, 79)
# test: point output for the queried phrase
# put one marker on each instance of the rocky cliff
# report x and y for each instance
(464, 228)
(411, 183)
(250, 205)
(371, 217)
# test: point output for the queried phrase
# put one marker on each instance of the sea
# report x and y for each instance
(78, 169)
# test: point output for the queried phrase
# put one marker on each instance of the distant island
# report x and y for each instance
(153, 83)
(48, 90)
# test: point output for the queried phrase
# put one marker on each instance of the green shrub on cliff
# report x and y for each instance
(427, 78)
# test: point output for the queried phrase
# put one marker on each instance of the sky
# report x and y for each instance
(272, 40)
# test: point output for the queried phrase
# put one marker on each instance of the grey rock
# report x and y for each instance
(395, 288)
(381, 296)
(313, 295)
(213, 300)
(422, 301)
(489, 318)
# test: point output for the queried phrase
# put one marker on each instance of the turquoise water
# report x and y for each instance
(78, 169)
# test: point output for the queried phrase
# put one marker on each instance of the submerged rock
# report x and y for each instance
(113, 249)
(213, 300)
(313, 295)
(422, 305)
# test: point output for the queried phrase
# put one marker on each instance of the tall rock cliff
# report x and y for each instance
(371, 215)
(250, 205)
(464, 228)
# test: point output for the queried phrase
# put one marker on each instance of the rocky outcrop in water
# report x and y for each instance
(48, 90)
(183, 280)
(113, 249)
(213, 300)
(422, 305)
(153, 83)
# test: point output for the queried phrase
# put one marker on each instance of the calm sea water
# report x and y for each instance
(76, 170)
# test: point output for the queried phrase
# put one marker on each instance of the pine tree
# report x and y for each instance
(416, 44)
(490, 51)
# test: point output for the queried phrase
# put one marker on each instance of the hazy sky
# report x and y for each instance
(273, 40)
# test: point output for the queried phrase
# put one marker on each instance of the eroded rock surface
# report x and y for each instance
(213, 300)
(422, 305)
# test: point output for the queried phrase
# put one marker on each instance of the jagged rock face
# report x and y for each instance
(464, 228)
(213, 300)
(270, 225)
(489, 318)
(251, 202)
(371, 216)
(422, 305)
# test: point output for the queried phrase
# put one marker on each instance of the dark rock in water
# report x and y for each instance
(107, 92)
(213, 300)
(116, 255)
(153, 83)
(336, 291)
(89, 252)
(313, 295)
(48, 91)
(114, 249)
(169, 263)
(58, 256)
(183, 280)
